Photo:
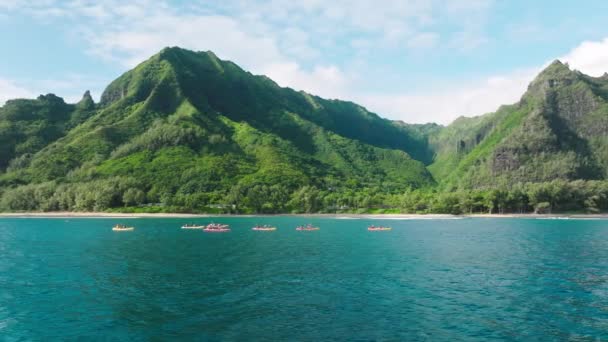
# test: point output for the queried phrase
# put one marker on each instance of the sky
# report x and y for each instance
(412, 60)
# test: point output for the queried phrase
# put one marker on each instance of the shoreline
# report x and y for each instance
(337, 216)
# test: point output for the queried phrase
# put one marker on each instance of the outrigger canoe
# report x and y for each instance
(376, 229)
(122, 228)
(307, 228)
(264, 228)
(192, 226)
(217, 228)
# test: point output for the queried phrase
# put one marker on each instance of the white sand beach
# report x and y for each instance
(337, 216)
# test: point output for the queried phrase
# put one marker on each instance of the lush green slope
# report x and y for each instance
(189, 131)
(186, 131)
(557, 131)
(26, 126)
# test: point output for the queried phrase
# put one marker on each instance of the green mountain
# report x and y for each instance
(187, 131)
(558, 130)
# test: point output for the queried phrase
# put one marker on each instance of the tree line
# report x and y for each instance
(129, 194)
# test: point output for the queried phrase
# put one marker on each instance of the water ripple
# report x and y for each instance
(472, 279)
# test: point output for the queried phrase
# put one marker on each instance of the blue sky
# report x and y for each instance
(414, 60)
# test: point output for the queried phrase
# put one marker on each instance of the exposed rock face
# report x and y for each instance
(461, 147)
(575, 104)
(571, 104)
(505, 159)
(555, 130)
(559, 130)
(112, 95)
(554, 76)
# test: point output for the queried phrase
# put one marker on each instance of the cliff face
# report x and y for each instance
(557, 130)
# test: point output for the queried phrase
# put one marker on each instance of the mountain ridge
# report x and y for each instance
(552, 121)
(186, 130)
(194, 128)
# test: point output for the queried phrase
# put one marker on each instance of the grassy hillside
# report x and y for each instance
(188, 131)
(556, 131)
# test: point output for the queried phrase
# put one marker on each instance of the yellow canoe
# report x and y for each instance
(122, 229)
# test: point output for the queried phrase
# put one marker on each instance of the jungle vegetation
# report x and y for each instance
(188, 132)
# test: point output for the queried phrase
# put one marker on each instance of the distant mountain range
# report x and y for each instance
(187, 130)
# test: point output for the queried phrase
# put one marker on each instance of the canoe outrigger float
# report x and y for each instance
(122, 228)
(264, 228)
(192, 226)
(217, 228)
(373, 228)
(307, 227)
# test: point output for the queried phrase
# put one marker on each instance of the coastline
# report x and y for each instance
(337, 216)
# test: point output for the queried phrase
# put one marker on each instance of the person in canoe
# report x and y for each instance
(122, 227)
(192, 226)
(307, 227)
(219, 228)
(264, 227)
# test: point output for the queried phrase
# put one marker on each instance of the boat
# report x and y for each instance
(373, 228)
(307, 227)
(217, 228)
(122, 228)
(193, 226)
(264, 228)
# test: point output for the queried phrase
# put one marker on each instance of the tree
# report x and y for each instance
(591, 204)
(306, 199)
(257, 197)
(133, 197)
(235, 197)
(489, 200)
(542, 208)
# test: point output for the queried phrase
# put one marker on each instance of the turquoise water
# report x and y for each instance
(467, 279)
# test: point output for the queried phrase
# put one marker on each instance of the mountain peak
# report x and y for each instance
(557, 70)
(555, 75)
(169, 51)
(139, 82)
(87, 97)
(86, 102)
(559, 63)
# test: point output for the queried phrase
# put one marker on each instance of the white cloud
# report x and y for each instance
(290, 42)
(277, 45)
(589, 57)
(328, 81)
(281, 38)
(70, 87)
(10, 90)
(300, 29)
(445, 104)
(476, 97)
(131, 43)
(222, 35)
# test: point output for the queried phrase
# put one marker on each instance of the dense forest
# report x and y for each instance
(188, 132)
(124, 194)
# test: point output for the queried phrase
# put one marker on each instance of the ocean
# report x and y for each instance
(473, 279)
